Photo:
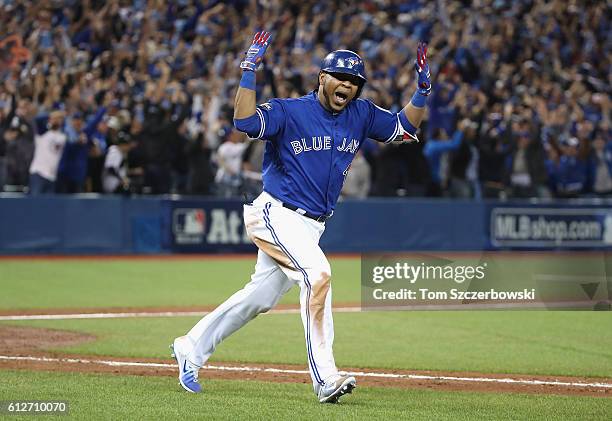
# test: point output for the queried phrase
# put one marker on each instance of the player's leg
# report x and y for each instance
(292, 240)
(191, 351)
(268, 284)
(315, 304)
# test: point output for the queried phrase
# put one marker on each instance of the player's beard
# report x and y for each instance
(327, 100)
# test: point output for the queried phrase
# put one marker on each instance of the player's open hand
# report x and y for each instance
(254, 55)
(422, 68)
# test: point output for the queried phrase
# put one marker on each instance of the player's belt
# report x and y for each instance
(318, 218)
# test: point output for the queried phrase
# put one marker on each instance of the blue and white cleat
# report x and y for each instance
(188, 372)
(331, 391)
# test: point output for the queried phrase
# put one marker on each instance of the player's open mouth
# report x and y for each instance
(340, 98)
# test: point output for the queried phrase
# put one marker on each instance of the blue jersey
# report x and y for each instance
(310, 149)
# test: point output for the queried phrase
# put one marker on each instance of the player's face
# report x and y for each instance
(336, 90)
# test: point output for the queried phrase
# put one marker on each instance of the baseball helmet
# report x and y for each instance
(345, 61)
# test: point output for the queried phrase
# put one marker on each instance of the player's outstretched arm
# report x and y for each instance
(415, 110)
(245, 103)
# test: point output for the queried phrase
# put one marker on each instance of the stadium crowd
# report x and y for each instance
(136, 96)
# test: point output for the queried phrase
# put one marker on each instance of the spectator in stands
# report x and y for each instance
(399, 170)
(180, 164)
(115, 174)
(229, 160)
(162, 143)
(136, 158)
(600, 165)
(6, 135)
(98, 144)
(72, 168)
(18, 141)
(252, 162)
(568, 169)
(525, 169)
(201, 174)
(542, 61)
(437, 151)
(492, 150)
(47, 155)
(464, 165)
(72, 171)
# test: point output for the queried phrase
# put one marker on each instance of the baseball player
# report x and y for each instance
(310, 143)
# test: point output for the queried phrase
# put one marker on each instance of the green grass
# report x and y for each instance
(527, 342)
(142, 283)
(130, 397)
(554, 343)
(72, 283)
(66, 283)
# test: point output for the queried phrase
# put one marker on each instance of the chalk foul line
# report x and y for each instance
(345, 309)
(289, 371)
(106, 315)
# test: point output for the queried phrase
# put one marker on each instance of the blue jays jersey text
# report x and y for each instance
(310, 149)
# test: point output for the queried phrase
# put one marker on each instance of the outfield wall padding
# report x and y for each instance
(90, 224)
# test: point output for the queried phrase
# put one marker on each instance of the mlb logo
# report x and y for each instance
(189, 225)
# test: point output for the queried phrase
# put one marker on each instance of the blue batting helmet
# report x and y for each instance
(345, 61)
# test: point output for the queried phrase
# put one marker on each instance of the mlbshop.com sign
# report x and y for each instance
(551, 227)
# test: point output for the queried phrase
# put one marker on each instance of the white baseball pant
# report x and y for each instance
(288, 254)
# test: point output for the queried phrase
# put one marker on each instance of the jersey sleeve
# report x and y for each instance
(384, 126)
(271, 118)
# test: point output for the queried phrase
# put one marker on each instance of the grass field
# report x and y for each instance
(132, 397)
(520, 342)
